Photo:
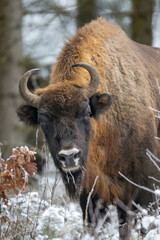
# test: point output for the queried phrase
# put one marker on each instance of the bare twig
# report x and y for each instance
(100, 223)
(139, 186)
(37, 135)
(88, 199)
(140, 209)
(154, 179)
(124, 207)
(152, 155)
(157, 138)
(56, 181)
(155, 110)
(158, 86)
(0, 150)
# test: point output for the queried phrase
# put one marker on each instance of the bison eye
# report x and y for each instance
(88, 116)
(44, 127)
(42, 123)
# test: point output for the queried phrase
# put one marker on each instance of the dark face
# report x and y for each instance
(67, 131)
(64, 116)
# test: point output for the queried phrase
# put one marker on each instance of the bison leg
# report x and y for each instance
(93, 209)
(124, 224)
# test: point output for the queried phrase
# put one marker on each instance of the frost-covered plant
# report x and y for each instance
(14, 172)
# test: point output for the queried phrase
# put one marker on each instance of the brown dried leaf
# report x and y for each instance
(27, 157)
(13, 175)
(31, 168)
(5, 174)
(20, 160)
(15, 151)
(10, 163)
(2, 164)
(24, 150)
(3, 196)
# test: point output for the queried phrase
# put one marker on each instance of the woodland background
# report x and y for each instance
(32, 33)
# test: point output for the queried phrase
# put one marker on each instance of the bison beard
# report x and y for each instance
(72, 182)
(95, 113)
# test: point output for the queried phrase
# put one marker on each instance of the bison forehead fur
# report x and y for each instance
(63, 99)
(114, 139)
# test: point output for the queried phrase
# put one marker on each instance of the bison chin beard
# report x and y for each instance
(72, 182)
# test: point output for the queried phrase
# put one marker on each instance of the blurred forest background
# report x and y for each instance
(32, 33)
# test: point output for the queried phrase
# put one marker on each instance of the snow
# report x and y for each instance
(59, 221)
(157, 192)
(147, 221)
(38, 216)
(63, 220)
(152, 235)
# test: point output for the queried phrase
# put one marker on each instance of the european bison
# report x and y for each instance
(95, 116)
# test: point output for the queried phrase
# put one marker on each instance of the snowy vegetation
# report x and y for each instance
(48, 214)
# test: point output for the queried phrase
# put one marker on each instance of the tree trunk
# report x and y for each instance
(86, 11)
(142, 21)
(10, 71)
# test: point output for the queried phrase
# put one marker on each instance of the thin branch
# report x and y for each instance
(155, 110)
(157, 138)
(124, 207)
(152, 155)
(88, 199)
(154, 179)
(56, 181)
(100, 223)
(157, 80)
(37, 135)
(51, 9)
(140, 209)
(139, 186)
(149, 154)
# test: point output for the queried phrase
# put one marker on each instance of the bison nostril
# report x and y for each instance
(69, 154)
(61, 158)
(77, 155)
(69, 159)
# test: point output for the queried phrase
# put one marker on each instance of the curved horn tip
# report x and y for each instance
(79, 64)
(76, 65)
(30, 72)
(34, 70)
(94, 81)
(29, 97)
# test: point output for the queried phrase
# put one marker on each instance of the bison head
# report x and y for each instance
(64, 112)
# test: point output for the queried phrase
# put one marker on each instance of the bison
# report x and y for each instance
(96, 119)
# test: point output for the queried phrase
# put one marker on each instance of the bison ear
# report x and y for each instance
(100, 103)
(27, 114)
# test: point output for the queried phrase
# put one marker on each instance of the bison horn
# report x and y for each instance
(29, 97)
(94, 82)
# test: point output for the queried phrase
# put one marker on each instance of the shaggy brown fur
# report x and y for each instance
(121, 135)
(128, 71)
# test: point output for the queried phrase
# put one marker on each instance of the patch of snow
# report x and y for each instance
(152, 235)
(147, 221)
(58, 222)
(157, 192)
(63, 220)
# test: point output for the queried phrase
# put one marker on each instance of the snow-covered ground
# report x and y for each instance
(45, 212)
(28, 216)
